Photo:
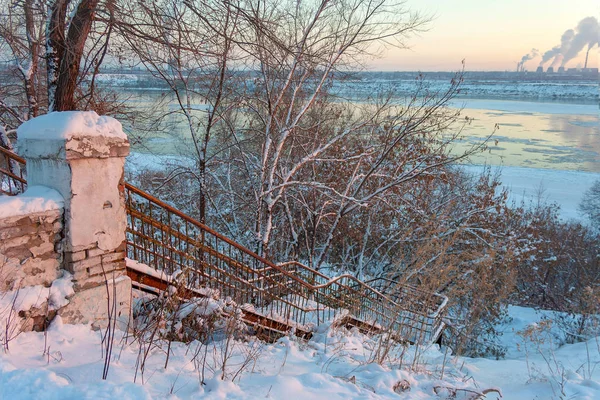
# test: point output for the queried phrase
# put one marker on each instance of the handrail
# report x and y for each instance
(13, 155)
(165, 238)
(197, 223)
(425, 314)
(263, 260)
(443, 298)
(225, 239)
(16, 183)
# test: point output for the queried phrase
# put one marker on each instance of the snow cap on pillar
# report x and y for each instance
(83, 133)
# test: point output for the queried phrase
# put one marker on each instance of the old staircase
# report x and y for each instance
(276, 299)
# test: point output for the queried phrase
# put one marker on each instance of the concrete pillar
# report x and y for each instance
(82, 156)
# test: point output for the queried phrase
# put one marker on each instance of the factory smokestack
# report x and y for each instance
(587, 55)
(532, 54)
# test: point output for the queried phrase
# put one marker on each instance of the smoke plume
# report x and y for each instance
(550, 54)
(532, 54)
(572, 42)
(587, 34)
(557, 61)
(565, 43)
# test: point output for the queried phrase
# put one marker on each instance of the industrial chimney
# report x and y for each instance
(550, 70)
(539, 70)
(586, 57)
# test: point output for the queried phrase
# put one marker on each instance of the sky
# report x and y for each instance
(488, 34)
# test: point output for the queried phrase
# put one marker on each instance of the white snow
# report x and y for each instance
(28, 297)
(118, 79)
(66, 124)
(565, 188)
(59, 292)
(67, 363)
(143, 268)
(169, 278)
(35, 199)
(137, 162)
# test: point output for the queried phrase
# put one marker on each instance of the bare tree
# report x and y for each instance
(297, 49)
(284, 147)
(298, 127)
(22, 35)
(43, 45)
(189, 48)
(590, 205)
(65, 45)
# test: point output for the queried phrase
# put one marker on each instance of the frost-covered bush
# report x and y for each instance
(174, 319)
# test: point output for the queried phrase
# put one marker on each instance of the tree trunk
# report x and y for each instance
(55, 45)
(30, 75)
(68, 71)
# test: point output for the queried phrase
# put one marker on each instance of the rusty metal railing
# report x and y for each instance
(12, 173)
(403, 310)
(170, 241)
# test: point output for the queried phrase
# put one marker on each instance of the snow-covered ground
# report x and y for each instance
(565, 188)
(67, 363)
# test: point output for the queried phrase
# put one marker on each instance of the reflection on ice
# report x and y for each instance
(537, 136)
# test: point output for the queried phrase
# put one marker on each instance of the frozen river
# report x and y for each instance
(552, 147)
(536, 134)
(549, 151)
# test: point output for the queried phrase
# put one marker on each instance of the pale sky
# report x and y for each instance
(488, 34)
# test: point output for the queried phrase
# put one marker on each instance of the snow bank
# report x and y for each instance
(36, 199)
(335, 364)
(66, 124)
(29, 297)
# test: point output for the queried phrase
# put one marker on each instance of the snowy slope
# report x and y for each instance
(334, 365)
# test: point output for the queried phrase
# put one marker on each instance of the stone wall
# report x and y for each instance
(62, 242)
(30, 249)
(90, 265)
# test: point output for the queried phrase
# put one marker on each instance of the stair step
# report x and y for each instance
(349, 322)
(267, 328)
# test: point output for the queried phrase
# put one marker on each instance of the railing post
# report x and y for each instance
(82, 156)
